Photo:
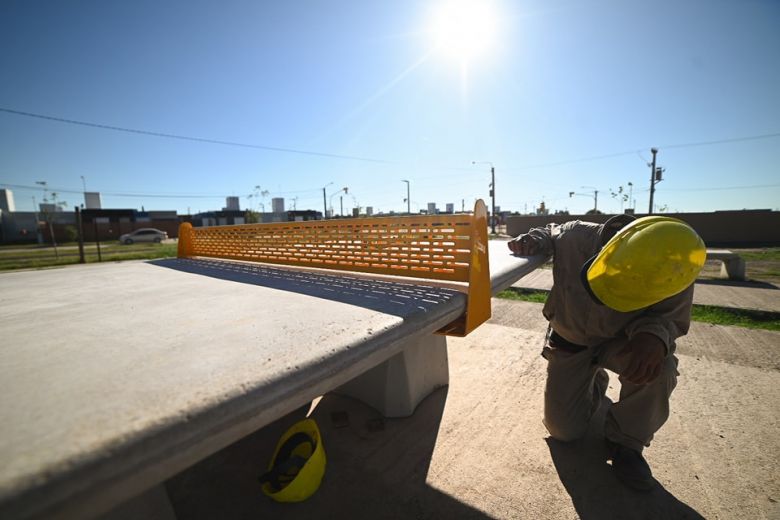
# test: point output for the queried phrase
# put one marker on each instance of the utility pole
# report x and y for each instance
(325, 202)
(493, 215)
(652, 180)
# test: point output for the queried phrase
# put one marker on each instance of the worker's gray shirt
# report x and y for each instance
(577, 317)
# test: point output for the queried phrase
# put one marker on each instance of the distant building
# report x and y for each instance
(232, 204)
(48, 207)
(277, 205)
(92, 200)
(431, 208)
(303, 215)
(218, 218)
(369, 210)
(110, 224)
(450, 207)
(7, 201)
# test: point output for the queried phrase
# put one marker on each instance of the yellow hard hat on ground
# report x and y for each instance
(649, 260)
(298, 464)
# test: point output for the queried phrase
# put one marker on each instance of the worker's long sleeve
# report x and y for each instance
(576, 316)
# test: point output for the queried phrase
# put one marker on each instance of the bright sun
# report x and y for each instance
(464, 29)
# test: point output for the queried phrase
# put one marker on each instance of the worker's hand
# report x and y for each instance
(644, 358)
(524, 245)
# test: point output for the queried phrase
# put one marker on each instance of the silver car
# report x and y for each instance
(144, 235)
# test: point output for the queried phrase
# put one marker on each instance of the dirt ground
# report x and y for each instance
(478, 449)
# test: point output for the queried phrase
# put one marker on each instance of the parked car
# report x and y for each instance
(144, 235)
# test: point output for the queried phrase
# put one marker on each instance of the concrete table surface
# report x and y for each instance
(113, 377)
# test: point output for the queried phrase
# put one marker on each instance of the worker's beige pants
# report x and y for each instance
(576, 385)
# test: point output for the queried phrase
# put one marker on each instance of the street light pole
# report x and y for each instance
(493, 218)
(595, 196)
(344, 189)
(408, 200)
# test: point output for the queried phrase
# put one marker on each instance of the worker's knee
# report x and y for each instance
(565, 429)
(668, 376)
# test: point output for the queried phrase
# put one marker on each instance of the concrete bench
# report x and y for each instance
(115, 377)
(732, 265)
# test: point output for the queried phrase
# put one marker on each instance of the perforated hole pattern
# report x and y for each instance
(435, 247)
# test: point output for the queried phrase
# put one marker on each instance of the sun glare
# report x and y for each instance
(464, 29)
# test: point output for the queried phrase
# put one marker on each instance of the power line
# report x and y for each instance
(638, 152)
(572, 161)
(368, 159)
(756, 186)
(114, 194)
(722, 141)
(140, 195)
(189, 138)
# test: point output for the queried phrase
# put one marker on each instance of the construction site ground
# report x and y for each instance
(478, 448)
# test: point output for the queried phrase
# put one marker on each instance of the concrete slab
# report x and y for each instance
(114, 377)
(723, 293)
(477, 449)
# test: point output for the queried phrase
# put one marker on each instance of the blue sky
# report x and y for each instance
(561, 81)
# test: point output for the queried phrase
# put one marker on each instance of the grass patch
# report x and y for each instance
(736, 317)
(523, 295)
(40, 258)
(751, 319)
(768, 254)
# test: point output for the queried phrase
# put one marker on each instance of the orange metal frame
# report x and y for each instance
(439, 247)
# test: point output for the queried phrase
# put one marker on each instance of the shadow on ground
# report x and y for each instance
(376, 468)
(595, 491)
(389, 297)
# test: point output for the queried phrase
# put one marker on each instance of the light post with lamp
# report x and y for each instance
(595, 196)
(493, 218)
(345, 190)
(408, 199)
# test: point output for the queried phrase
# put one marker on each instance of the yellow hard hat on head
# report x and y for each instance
(649, 260)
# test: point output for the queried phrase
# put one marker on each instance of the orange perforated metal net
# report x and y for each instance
(437, 247)
(440, 247)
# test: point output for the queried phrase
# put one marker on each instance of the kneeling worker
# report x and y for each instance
(621, 296)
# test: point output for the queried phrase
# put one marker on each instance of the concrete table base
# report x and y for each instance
(396, 387)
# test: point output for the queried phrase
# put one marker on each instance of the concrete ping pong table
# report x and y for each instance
(116, 376)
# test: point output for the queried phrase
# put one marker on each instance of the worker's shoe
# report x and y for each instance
(630, 467)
